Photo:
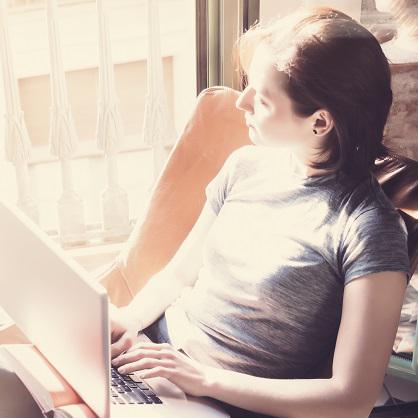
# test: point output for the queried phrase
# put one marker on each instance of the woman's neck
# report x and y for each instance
(300, 157)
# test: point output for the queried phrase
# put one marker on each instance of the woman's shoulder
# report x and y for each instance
(243, 158)
(372, 207)
(258, 156)
(257, 151)
(246, 151)
(370, 195)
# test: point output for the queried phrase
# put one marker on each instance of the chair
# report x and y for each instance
(213, 131)
(398, 177)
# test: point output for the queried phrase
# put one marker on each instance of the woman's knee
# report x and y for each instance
(15, 399)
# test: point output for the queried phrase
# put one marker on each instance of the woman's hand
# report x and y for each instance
(124, 330)
(164, 360)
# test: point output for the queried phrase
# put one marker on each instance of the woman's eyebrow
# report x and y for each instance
(263, 92)
(266, 94)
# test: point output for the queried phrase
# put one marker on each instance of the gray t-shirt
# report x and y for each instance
(268, 297)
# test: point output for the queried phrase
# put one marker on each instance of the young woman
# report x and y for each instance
(297, 256)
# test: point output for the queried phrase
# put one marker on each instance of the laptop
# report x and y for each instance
(60, 308)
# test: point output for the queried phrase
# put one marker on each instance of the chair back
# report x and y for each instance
(215, 128)
(398, 177)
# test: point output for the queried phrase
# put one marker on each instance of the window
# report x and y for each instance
(78, 29)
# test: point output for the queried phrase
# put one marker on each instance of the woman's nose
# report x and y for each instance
(244, 100)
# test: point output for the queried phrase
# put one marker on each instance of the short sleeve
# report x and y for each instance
(218, 188)
(377, 240)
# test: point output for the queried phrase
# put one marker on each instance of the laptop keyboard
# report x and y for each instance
(124, 390)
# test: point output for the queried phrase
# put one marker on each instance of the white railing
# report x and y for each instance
(158, 128)
(63, 137)
(115, 206)
(17, 143)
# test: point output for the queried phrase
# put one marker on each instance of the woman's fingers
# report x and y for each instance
(163, 360)
(147, 355)
(115, 334)
(134, 355)
(148, 363)
(121, 345)
(157, 351)
(154, 346)
(160, 372)
(126, 341)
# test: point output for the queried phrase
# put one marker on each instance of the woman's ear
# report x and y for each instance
(322, 122)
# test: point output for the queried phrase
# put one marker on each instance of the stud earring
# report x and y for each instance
(314, 131)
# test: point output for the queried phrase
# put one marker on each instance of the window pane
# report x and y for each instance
(127, 20)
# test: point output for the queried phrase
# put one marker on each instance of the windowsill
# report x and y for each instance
(92, 258)
(88, 149)
(135, 174)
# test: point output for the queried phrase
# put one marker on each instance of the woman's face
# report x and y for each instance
(267, 108)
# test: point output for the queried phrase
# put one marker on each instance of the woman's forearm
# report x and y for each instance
(154, 298)
(285, 398)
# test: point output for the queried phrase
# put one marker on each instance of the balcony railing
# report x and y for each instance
(158, 130)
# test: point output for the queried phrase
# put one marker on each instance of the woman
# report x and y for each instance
(288, 265)
(295, 266)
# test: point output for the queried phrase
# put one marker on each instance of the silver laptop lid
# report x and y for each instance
(56, 305)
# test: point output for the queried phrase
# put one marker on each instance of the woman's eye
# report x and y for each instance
(262, 101)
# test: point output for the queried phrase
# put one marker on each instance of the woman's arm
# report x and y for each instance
(181, 271)
(370, 317)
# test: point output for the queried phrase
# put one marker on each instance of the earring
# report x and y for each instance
(314, 131)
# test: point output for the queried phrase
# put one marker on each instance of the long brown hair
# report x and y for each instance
(332, 62)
